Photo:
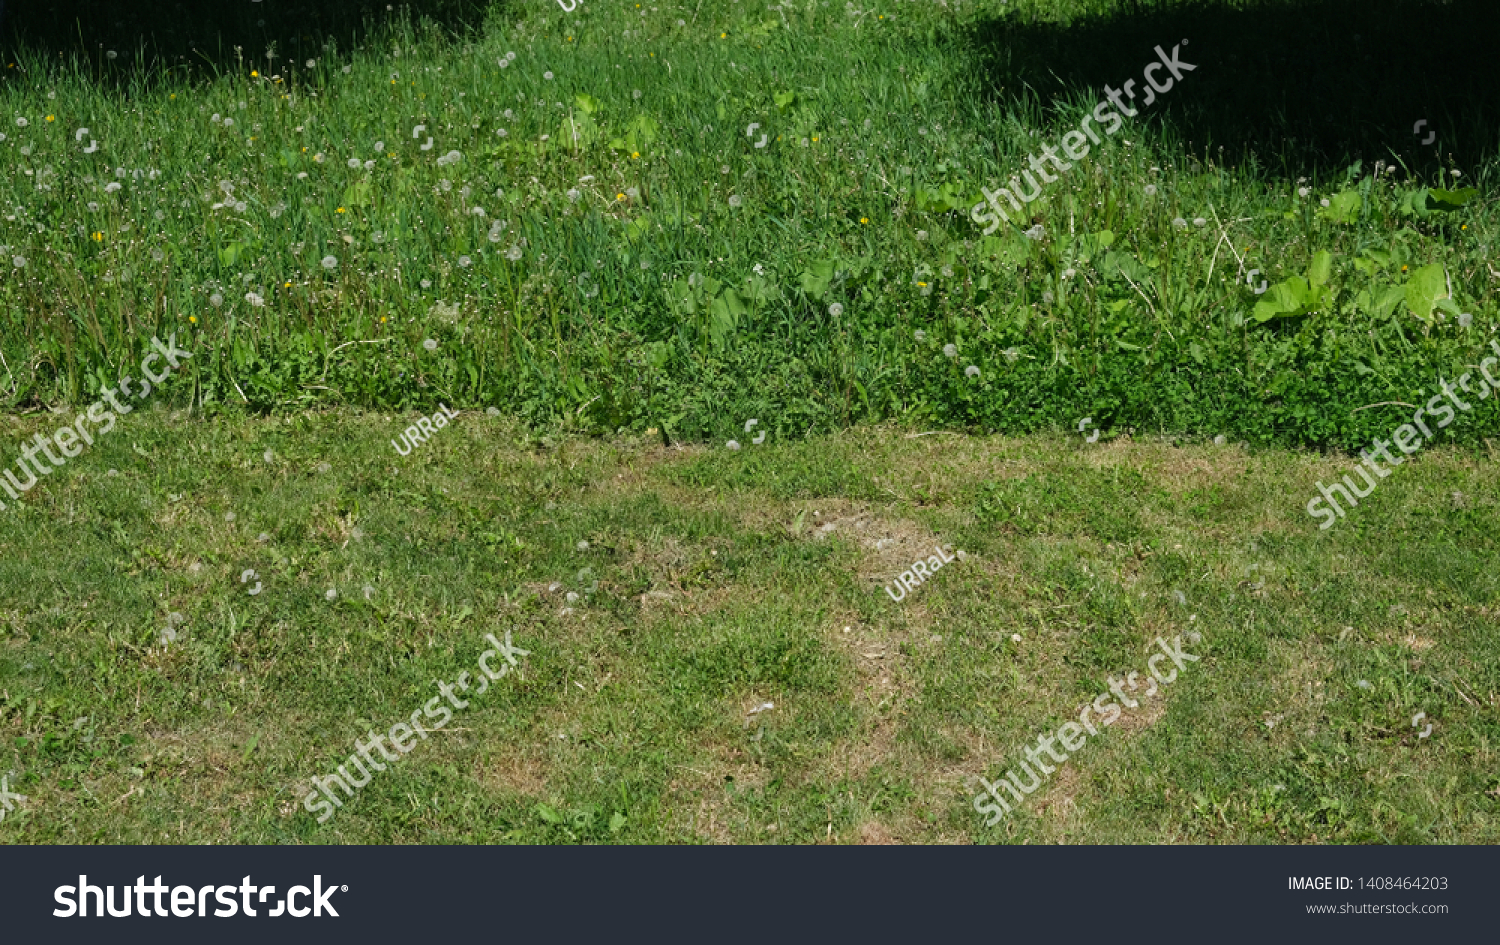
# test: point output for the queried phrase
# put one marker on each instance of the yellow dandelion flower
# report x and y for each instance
(815, 139)
(635, 155)
(52, 118)
(193, 319)
(864, 219)
(287, 286)
(570, 39)
(254, 74)
(619, 196)
(98, 237)
(721, 36)
(174, 95)
(341, 209)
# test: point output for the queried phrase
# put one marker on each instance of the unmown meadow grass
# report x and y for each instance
(596, 243)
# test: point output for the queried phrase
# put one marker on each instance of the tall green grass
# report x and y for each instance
(640, 263)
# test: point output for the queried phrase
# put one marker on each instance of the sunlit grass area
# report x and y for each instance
(666, 596)
(679, 217)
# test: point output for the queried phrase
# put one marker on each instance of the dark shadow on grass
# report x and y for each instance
(1297, 88)
(151, 39)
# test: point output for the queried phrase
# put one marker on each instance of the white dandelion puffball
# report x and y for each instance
(1015, 638)
(1465, 320)
(504, 63)
(311, 63)
(1323, 202)
(22, 123)
(547, 76)
(583, 546)
(971, 371)
(426, 283)
(228, 122)
(1150, 190)
(513, 254)
(330, 593)
(950, 350)
(1220, 440)
(255, 300)
(228, 516)
(836, 309)
(493, 411)
(267, 455)
(572, 597)
(324, 468)
(1180, 223)
(354, 163)
(511, 56)
(1303, 191)
(18, 261)
(921, 335)
(430, 344)
(380, 145)
(734, 200)
(330, 262)
(1199, 221)
(465, 262)
(635, 93)
(732, 445)
(216, 300)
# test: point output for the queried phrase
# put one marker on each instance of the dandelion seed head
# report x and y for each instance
(330, 262)
(971, 371)
(430, 344)
(836, 309)
(950, 350)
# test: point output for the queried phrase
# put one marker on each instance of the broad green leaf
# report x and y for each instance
(1320, 269)
(1449, 200)
(1425, 287)
(784, 100)
(587, 102)
(815, 279)
(1342, 207)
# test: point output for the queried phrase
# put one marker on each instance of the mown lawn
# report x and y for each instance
(713, 581)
